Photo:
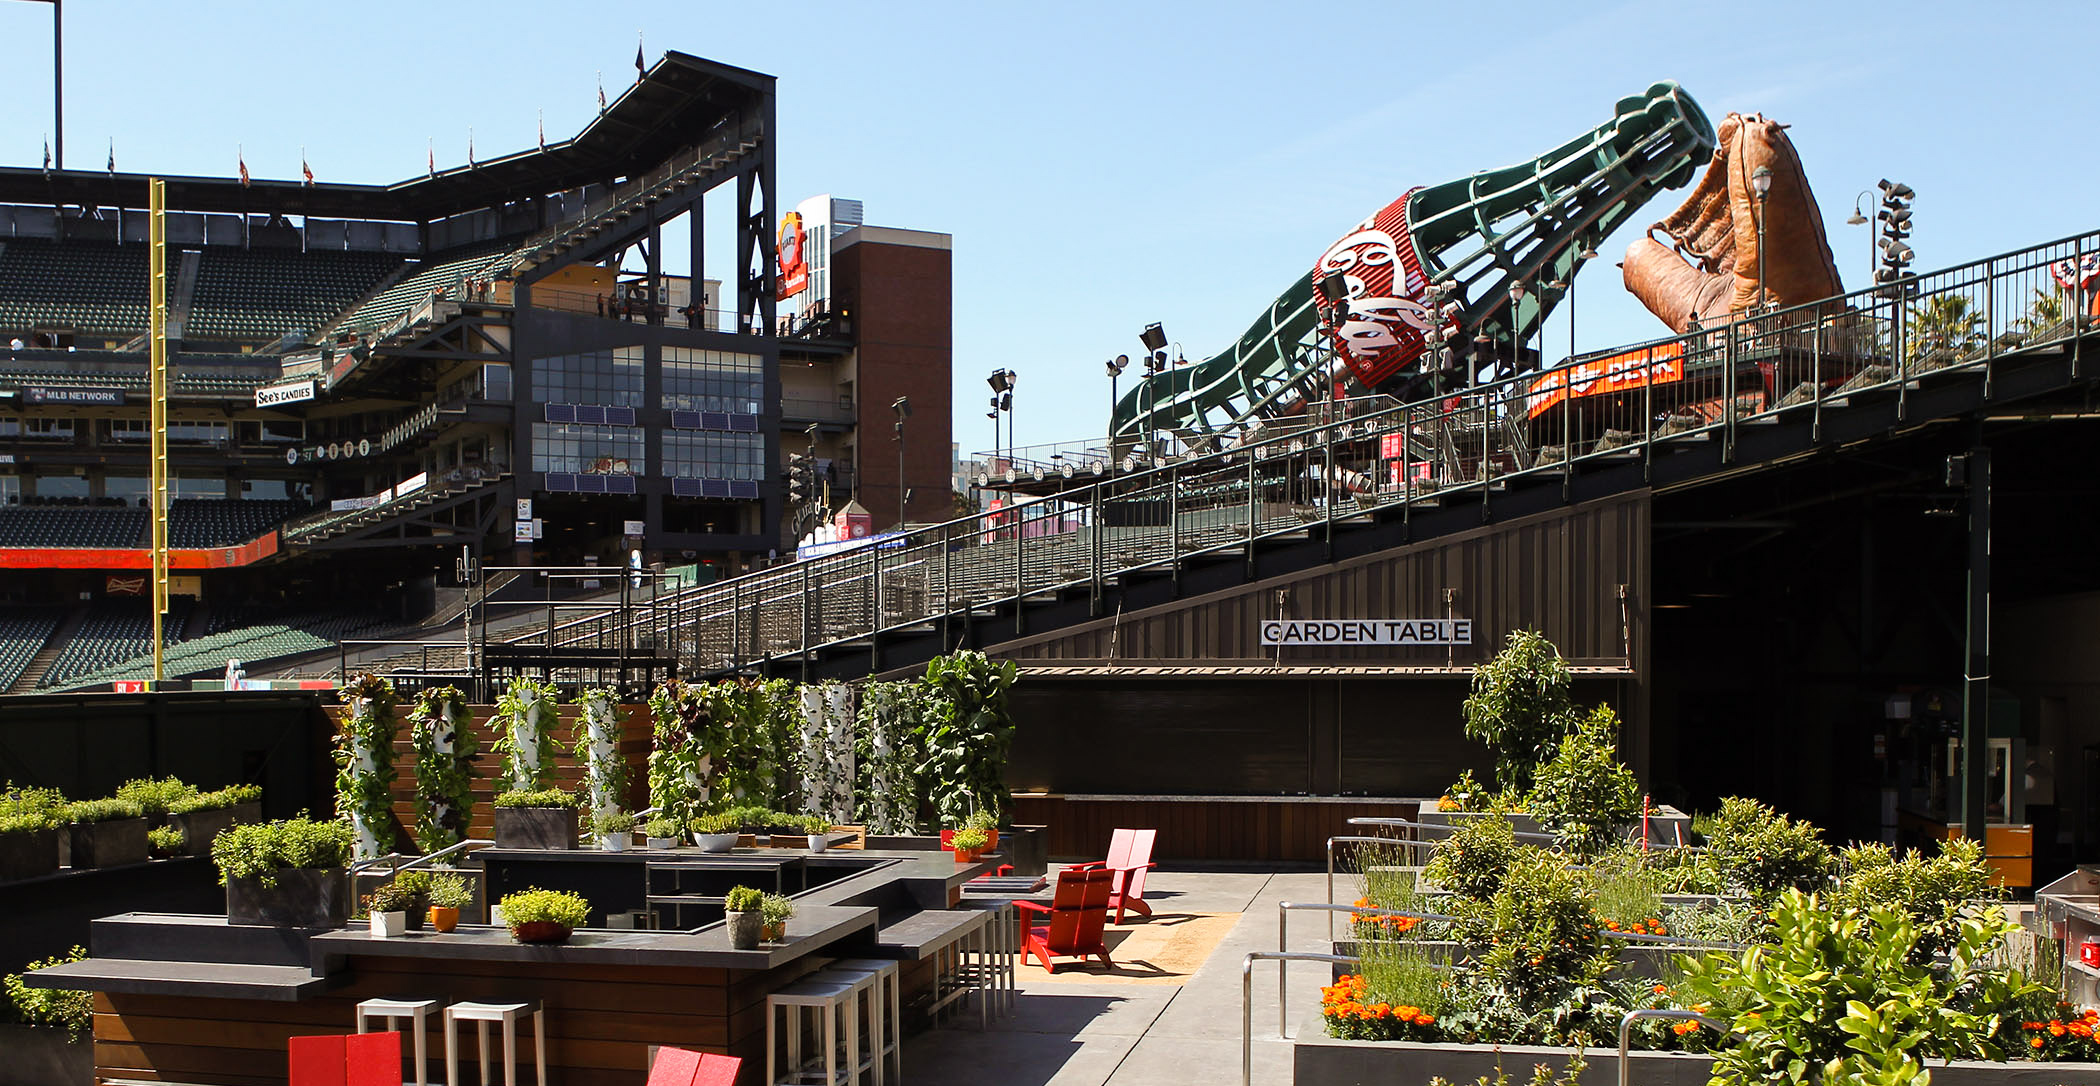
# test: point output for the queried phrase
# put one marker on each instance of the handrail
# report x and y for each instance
(415, 862)
(1726, 1031)
(1355, 840)
(1247, 999)
(1283, 915)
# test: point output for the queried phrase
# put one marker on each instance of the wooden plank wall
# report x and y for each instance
(600, 1020)
(635, 734)
(1279, 830)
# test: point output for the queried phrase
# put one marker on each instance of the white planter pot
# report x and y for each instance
(389, 925)
(496, 917)
(613, 842)
(816, 842)
(662, 843)
(716, 842)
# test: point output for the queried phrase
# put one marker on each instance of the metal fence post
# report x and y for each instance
(874, 609)
(1815, 379)
(1020, 568)
(1990, 323)
(1253, 507)
(1732, 350)
(1901, 355)
(1099, 548)
(1174, 525)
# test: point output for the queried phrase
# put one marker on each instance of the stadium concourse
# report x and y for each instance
(378, 391)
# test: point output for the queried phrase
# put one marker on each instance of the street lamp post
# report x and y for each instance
(1002, 381)
(903, 409)
(1761, 184)
(1116, 366)
(1859, 218)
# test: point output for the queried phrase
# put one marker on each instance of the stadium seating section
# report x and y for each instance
(441, 272)
(261, 295)
(202, 656)
(92, 288)
(72, 526)
(205, 522)
(114, 631)
(23, 632)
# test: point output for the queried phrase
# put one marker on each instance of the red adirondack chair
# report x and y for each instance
(1077, 912)
(1129, 857)
(357, 1059)
(684, 1067)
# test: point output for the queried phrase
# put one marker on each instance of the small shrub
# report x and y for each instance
(815, 825)
(1465, 794)
(612, 823)
(1519, 706)
(101, 810)
(776, 908)
(231, 796)
(155, 798)
(1761, 852)
(51, 1008)
(261, 849)
(551, 797)
(164, 840)
(537, 906)
(721, 822)
(969, 840)
(1472, 861)
(979, 820)
(1538, 935)
(451, 892)
(740, 899)
(416, 885)
(1933, 892)
(390, 897)
(27, 810)
(660, 827)
(1584, 794)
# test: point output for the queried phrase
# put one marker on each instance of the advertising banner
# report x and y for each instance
(75, 397)
(793, 259)
(1601, 376)
(295, 392)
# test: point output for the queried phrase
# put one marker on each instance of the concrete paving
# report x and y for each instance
(1075, 1034)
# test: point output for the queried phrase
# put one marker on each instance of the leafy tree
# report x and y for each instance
(968, 732)
(1943, 322)
(1584, 794)
(1760, 852)
(1520, 706)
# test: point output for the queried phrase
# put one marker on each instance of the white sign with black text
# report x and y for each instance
(295, 392)
(1368, 631)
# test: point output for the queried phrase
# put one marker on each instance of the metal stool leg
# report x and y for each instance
(539, 1044)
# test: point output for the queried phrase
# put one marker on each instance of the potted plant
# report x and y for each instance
(544, 819)
(774, 911)
(661, 832)
(989, 823)
(164, 842)
(29, 821)
(614, 829)
(415, 889)
(155, 798)
(106, 833)
(967, 844)
(785, 830)
(744, 915)
(448, 895)
(544, 916)
(387, 910)
(204, 815)
(817, 827)
(288, 874)
(716, 832)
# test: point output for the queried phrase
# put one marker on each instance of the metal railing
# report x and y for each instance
(1466, 445)
(1283, 960)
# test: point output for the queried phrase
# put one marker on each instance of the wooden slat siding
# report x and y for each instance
(600, 1019)
(1278, 830)
(636, 729)
(1556, 572)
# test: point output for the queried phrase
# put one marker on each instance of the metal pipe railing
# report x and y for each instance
(1626, 1031)
(1283, 914)
(1247, 999)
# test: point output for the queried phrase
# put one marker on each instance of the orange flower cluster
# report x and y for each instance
(1449, 804)
(1369, 925)
(1650, 926)
(1343, 1005)
(2071, 1037)
(1682, 1028)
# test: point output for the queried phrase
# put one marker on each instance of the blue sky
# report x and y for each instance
(1104, 166)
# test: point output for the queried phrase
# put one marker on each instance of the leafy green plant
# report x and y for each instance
(612, 823)
(887, 753)
(28, 810)
(1841, 996)
(719, 822)
(597, 746)
(1538, 935)
(1519, 706)
(740, 899)
(451, 892)
(969, 840)
(364, 759)
(388, 898)
(689, 741)
(155, 798)
(164, 841)
(1474, 859)
(548, 797)
(776, 908)
(1936, 893)
(229, 796)
(981, 820)
(758, 717)
(660, 827)
(101, 810)
(1760, 852)
(968, 733)
(1626, 889)
(261, 849)
(415, 885)
(441, 735)
(1584, 794)
(524, 727)
(815, 824)
(537, 906)
(1944, 322)
(51, 1008)
(1405, 973)
(1465, 794)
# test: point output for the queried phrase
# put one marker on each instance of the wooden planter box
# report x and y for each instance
(535, 827)
(1320, 1060)
(200, 827)
(28, 855)
(107, 844)
(44, 1057)
(302, 898)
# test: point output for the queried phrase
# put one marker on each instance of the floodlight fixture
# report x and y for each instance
(1153, 337)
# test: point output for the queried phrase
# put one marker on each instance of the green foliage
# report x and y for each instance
(550, 797)
(261, 849)
(1466, 794)
(887, 752)
(1538, 935)
(1405, 973)
(967, 735)
(1474, 859)
(415, 885)
(451, 892)
(1842, 996)
(445, 746)
(689, 743)
(1944, 322)
(758, 718)
(815, 824)
(2046, 313)
(537, 906)
(1760, 852)
(1935, 893)
(164, 840)
(981, 820)
(524, 726)
(1584, 794)
(155, 798)
(101, 810)
(776, 908)
(1626, 888)
(1542, 1074)
(661, 827)
(364, 760)
(612, 823)
(389, 897)
(719, 822)
(230, 796)
(969, 840)
(27, 810)
(1519, 706)
(741, 899)
(51, 1008)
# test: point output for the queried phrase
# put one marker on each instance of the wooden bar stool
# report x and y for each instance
(392, 1010)
(885, 1014)
(506, 1015)
(1003, 947)
(833, 999)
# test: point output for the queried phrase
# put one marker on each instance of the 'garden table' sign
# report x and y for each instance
(1368, 631)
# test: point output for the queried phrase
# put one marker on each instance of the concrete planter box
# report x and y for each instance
(108, 844)
(1650, 960)
(535, 827)
(1319, 1060)
(302, 898)
(199, 828)
(44, 1057)
(28, 855)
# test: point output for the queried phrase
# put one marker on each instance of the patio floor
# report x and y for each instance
(1148, 1023)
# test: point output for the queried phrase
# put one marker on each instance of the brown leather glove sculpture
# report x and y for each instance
(1712, 271)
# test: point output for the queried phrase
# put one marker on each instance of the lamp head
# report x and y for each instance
(1153, 337)
(1761, 181)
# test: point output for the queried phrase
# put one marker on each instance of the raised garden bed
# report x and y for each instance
(302, 898)
(200, 827)
(28, 855)
(535, 827)
(113, 843)
(44, 1057)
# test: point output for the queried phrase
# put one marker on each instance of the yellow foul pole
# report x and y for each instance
(157, 262)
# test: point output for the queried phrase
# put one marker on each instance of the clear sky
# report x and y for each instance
(1102, 166)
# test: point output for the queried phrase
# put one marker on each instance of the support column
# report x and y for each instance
(1976, 671)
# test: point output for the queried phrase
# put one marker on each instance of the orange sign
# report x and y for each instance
(1636, 368)
(794, 261)
(98, 558)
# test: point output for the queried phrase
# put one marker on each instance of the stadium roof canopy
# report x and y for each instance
(675, 105)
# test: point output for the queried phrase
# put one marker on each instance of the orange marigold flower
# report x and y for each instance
(2055, 1030)
(2037, 1042)
(1424, 1020)
(1661, 988)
